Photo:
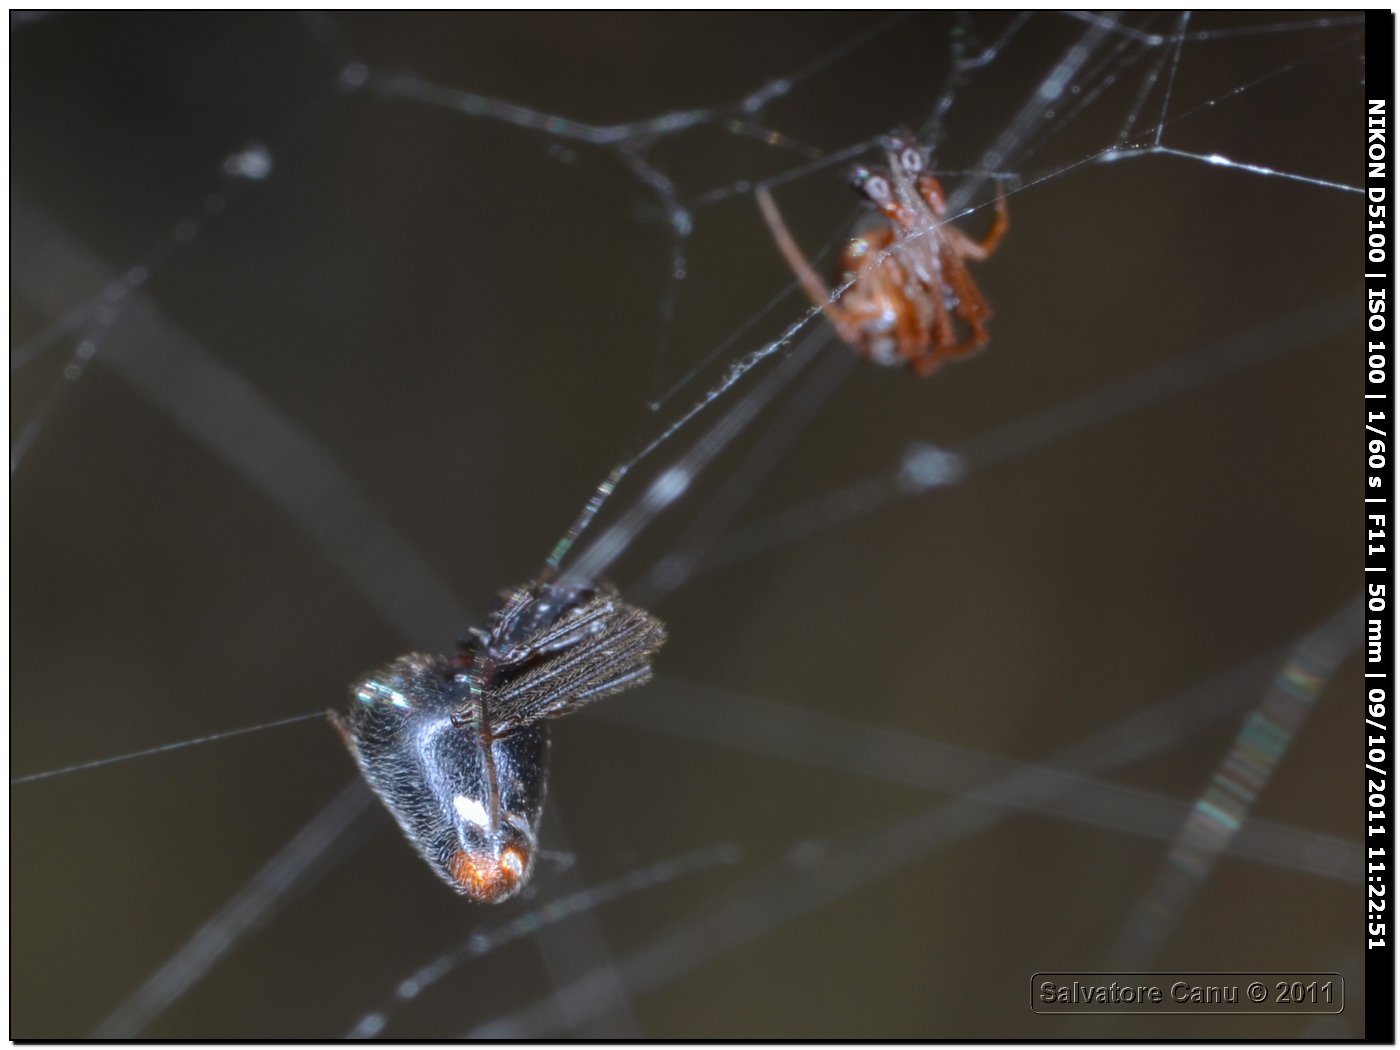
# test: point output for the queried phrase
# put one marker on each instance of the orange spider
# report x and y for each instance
(902, 305)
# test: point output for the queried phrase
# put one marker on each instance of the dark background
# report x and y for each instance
(464, 315)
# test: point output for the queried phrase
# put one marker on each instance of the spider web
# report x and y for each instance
(322, 329)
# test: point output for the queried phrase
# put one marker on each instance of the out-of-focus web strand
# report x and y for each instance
(734, 722)
(1221, 810)
(97, 312)
(629, 140)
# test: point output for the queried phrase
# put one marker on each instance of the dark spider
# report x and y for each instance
(455, 746)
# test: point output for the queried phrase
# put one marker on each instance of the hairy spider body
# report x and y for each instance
(470, 807)
(910, 298)
(455, 746)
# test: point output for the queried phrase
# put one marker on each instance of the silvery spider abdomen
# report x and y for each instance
(455, 746)
(471, 808)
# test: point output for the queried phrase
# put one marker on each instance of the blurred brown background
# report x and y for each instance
(464, 315)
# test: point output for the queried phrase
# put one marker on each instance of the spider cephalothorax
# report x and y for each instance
(910, 298)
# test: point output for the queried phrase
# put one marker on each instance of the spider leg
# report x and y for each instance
(979, 250)
(624, 681)
(586, 620)
(930, 362)
(973, 342)
(812, 284)
(913, 328)
(471, 718)
(972, 307)
(513, 714)
(925, 364)
(925, 356)
(603, 661)
(931, 190)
